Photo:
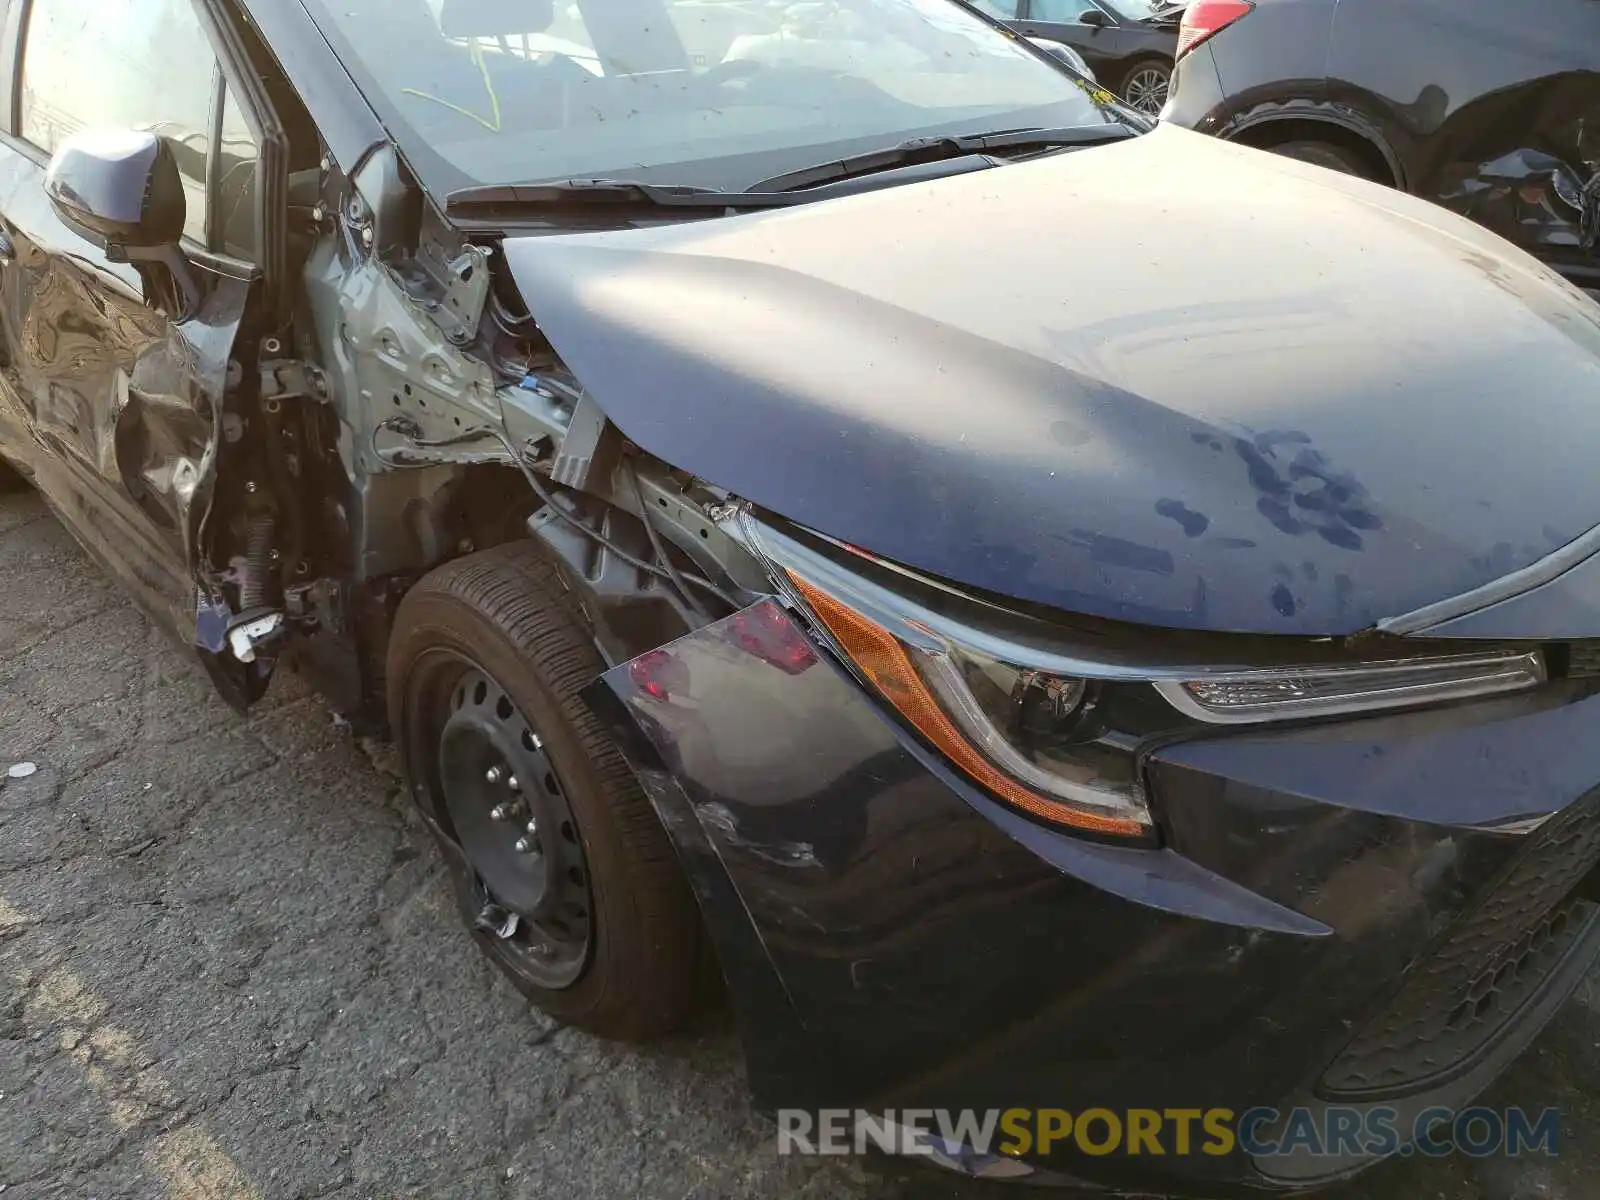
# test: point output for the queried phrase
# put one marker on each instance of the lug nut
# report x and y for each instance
(494, 774)
(501, 812)
(533, 827)
(513, 784)
(527, 845)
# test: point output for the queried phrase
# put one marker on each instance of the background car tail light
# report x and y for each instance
(1205, 18)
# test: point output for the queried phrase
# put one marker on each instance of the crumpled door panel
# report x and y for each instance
(112, 406)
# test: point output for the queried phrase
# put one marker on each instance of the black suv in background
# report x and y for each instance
(1128, 44)
(1490, 109)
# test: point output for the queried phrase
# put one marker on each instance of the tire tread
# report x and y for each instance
(518, 591)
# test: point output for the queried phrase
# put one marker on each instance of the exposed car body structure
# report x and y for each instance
(1490, 110)
(1128, 44)
(1027, 692)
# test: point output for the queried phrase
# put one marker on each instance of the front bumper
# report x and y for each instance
(893, 939)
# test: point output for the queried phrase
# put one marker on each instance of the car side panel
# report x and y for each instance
(1100, 47)
(1498, 120)
(1275, 53)
(1109, 51)
(108, 404)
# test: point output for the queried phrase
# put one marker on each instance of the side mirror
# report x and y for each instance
(1066, 56)
(122, 191)
(1093, 18)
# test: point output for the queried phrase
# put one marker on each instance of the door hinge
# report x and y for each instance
(293, 378)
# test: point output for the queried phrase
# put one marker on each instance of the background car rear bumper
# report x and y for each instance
(891, 938)
(1195, 98)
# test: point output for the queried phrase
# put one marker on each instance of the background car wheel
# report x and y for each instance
(1324, 154)
(1146, 84)
(564, 872)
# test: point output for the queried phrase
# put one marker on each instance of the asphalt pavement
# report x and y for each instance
(230, 968)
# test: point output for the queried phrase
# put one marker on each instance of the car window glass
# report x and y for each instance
(715, 93)
(122, 64)
(236, 184)
(1067, 11)
(1138, 10)
(1002, 10)
(1070, 11)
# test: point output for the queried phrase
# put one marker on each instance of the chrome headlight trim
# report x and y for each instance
(1357, 688)
(1325, 689)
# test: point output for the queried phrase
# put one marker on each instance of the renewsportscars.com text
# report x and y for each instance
(1374, 1132)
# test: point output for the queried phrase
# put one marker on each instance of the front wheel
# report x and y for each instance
(1146, 85)
(561, 867)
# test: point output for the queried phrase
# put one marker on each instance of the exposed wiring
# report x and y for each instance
(655, 538)
(582, 527)
(412, 432)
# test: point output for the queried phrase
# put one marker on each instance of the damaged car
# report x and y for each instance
(1119, 668)
(1491, 110)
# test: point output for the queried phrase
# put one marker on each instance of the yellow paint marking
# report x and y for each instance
(187, 1161)
(492, 123)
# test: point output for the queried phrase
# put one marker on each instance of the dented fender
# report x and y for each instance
(891, 937)
(831, 853)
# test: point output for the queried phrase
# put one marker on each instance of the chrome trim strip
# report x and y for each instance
(1536, 574)
(931, 632)
(1502, 673)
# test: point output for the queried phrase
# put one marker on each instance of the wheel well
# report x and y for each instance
(1275, 133)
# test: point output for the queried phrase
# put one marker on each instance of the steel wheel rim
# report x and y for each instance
(1147, 90)
(530, 881)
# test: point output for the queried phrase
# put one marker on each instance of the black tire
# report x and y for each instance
(1146, 85)
(506, 611)
(1325, 154)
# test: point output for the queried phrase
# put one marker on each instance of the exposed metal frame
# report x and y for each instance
(349, 126)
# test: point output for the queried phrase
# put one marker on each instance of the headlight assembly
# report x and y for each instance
(1282, 693)
(1009, 728)
(1049, 721)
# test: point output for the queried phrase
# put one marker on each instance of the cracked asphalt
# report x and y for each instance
(229, 968)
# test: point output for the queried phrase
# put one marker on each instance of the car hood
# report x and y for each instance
(1169, 380)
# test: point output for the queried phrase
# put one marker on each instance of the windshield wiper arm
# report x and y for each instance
(591, 195)
(930, 149)
(486, 201)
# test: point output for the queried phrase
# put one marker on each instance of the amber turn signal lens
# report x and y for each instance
(884, 662)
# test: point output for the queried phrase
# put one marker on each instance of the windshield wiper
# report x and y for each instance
(591, 195)
(931, 149)
(599, 196)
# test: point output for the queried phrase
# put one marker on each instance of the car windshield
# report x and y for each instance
(717, 93)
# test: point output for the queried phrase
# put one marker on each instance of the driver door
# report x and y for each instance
(110, 401)
(1102, 46)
